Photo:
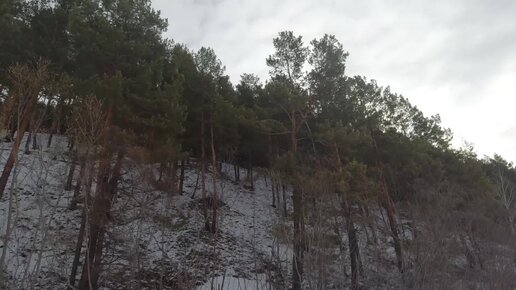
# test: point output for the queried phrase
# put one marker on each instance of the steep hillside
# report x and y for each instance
(158, 241)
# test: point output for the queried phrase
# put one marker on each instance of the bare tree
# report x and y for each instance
(507, 194)
(26, 85)
(88, 128)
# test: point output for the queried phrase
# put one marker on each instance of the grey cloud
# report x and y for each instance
(446, 56)
(509, 133)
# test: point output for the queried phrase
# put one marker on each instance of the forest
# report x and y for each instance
(129, 161)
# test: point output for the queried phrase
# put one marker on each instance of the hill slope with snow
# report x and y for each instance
(156, 240)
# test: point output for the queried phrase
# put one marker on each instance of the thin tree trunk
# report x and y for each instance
(27, 143)
(354, 250)
(476, 248)
(88, 270)
(78, 248)
(10, 133)
(237, 176)
(354, 253)
(297, 262)
(297, 198)
(55, 125)
(82, 230)
(182, 177)
(34, 140)
(98, 258)
(8, 226)
(372, 225)
(13, 156)
(203, 175)
(285, 212)
(278, 197)
(50, 136)
(71, 171)
(273, 190)
(391, 212)
(214, 201)
(468, 252)
(251, 176)
(173, 178)
(364, 226)
(95, 218)
(161, 169)
(53, 128)
(71, 143)
(98, 219)
(78, 185)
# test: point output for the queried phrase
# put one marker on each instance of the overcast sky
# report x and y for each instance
(456, 58)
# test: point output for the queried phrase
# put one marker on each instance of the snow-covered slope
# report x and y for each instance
(155, 240)
(158, 241)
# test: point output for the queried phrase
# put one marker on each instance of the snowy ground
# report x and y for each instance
(158, 241)
(155, 241)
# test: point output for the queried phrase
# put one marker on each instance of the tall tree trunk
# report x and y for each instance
(299, 243)
(9, 226)
(78, 248)
(284, 193)
(203, 175)
(214, 201)
(82, 230)
(297, 263)
(354, 250)
(98, 219)
(354, 253)
(391, 216)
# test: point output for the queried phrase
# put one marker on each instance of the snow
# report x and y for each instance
(155, 238)
(158, 241)
(233, 283)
